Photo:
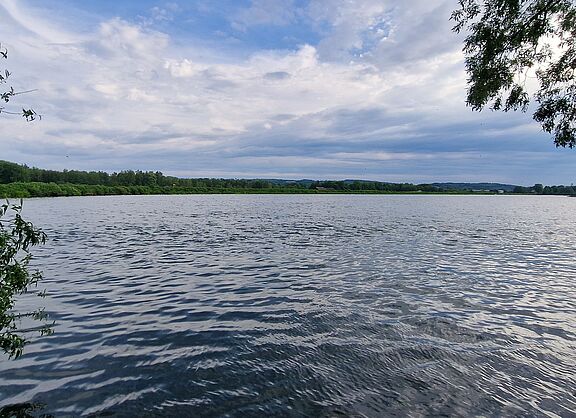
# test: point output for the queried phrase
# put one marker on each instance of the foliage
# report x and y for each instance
(17, 236)
(20, 181)
(509, 38)
(7, 94)
(547, 190)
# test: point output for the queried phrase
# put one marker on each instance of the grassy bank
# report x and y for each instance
(38, 189)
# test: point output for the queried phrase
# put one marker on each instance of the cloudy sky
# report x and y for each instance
(324, 89)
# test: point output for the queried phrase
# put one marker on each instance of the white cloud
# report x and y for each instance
(384, 75)
(353, 26)
(26, 23)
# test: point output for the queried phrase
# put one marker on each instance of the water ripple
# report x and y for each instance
(361, 306)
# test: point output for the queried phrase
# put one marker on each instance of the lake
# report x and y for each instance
(298, 305)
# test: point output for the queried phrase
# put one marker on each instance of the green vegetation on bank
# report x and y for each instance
(37, 189)
(19, 181)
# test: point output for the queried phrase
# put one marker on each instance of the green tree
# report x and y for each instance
(507, 42)
(17, 236)
(8, 93)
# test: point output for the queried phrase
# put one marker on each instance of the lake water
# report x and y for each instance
(328, 305)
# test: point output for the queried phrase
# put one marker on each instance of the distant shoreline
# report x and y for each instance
(37, 189)
(21, 181)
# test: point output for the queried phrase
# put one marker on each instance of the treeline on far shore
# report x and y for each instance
(37, 189)
(20, 181)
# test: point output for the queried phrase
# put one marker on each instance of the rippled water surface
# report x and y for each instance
(303, 306)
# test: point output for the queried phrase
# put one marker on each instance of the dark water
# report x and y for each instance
(304, 306)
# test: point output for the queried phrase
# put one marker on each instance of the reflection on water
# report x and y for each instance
(304, 306)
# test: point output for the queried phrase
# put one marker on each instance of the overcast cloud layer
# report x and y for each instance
(326, 89)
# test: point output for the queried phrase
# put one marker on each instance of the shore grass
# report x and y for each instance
(37, 189)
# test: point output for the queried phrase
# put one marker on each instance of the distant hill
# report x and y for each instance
(475, 186)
